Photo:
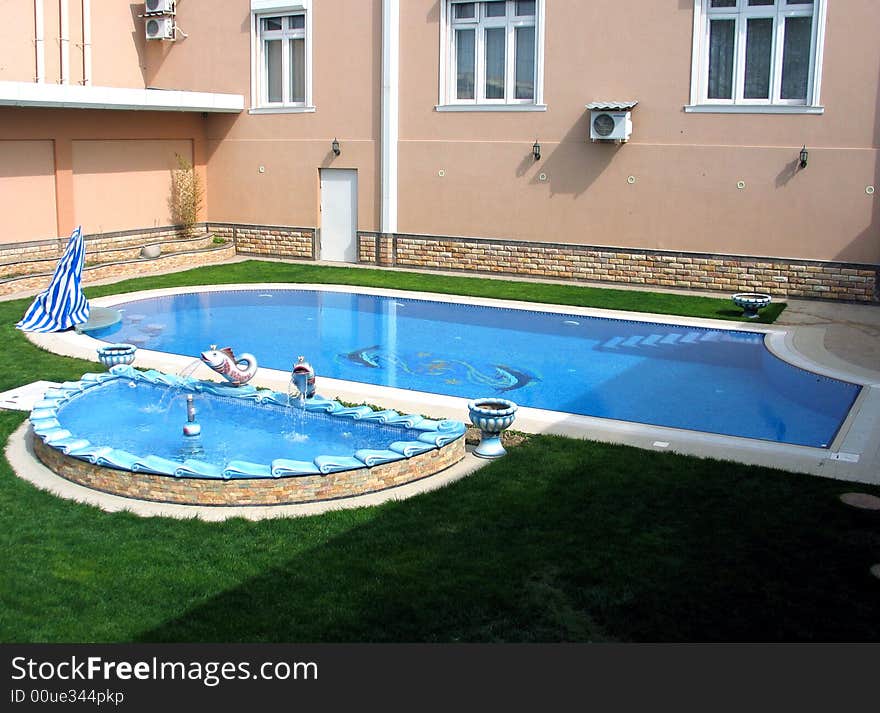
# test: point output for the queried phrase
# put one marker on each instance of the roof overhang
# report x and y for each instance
(72, 96)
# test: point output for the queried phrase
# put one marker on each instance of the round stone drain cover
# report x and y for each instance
(861, 500)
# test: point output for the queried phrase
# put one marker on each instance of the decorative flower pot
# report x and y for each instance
(492, 416)
(113, 354)
(751, 302)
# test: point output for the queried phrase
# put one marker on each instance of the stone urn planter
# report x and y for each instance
(751, 302)
(492, 416)
(113, 354)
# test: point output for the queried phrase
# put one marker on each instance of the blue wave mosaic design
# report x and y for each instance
(67, 413)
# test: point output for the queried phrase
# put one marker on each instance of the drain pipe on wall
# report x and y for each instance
(87, 41)
(39, 41)
(65, 42)
(390, 113)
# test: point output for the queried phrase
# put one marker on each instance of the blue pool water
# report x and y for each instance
(710, 380)
(148, 418)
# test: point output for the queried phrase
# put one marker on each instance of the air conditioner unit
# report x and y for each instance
(159, 7)
(159, 28)
(611, 121)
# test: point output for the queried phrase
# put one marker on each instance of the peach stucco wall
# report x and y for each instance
(290, 147)
(18, 58)
(117, 42)
(27, 190)
(686, 166)
(111, 168)
(124, 184)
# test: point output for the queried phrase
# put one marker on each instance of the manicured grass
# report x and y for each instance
(581, 296)
(561, 540)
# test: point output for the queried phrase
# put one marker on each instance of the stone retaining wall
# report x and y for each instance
(120, 252)
(269, 240)
(727, 273)
(16, 253)
(250, 491)
(132, 268)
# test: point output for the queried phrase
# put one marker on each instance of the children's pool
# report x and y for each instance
(711, 380)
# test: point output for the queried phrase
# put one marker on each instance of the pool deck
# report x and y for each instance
(837, 340)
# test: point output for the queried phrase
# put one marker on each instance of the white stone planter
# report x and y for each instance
(751, 302)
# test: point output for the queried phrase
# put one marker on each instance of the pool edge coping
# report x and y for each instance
(778, 341)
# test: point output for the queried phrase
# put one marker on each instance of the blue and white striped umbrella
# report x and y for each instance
(62, 304)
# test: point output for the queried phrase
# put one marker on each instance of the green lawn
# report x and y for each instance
(563, 294)
(561, 540)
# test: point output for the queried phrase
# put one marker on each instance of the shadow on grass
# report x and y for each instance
(567, 540)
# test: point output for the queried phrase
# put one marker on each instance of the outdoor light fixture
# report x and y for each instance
(335, 146)
(536, 150)
(804, 156)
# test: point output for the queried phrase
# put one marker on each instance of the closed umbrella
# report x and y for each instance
(62, 304)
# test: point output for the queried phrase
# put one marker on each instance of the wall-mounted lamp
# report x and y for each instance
(335, 147)
(536, 150)
(804, 156)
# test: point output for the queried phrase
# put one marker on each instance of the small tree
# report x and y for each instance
(187, 194)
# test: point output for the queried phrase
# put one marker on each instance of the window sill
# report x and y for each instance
(490, 107)
(753, 109)
(282, 110)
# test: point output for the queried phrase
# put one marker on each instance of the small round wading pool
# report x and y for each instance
(122, 432)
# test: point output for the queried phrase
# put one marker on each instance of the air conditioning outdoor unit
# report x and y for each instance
(610, 121)
(159, 28)
(163, 7)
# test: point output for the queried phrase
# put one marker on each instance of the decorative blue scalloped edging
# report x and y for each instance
(45, 424)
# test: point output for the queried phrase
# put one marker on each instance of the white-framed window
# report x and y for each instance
(491, 55)
(757, 55)
(281, 57)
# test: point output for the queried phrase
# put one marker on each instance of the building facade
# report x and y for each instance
(455, 135)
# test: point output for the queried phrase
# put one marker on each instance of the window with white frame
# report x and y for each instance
(757, 52)
(492, 53)
(282, 59)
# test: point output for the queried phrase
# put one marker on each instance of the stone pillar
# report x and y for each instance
(386, 250)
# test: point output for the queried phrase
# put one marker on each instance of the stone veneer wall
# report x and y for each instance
(728, 273)
(250, 491)
(131, 268)
(268, 240)
(41, 255)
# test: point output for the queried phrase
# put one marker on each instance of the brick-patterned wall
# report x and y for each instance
(41, 256)
(270, 240)
(727, 273)
(132, 268)
(368, 248)
(95, 255)
(251, 491)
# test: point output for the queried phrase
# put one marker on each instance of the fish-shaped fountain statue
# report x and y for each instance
(236, 370)
(303, 378)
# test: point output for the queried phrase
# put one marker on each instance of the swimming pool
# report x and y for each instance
(122, 432)
(712, 380)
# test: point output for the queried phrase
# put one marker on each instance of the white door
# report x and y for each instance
(339, 214)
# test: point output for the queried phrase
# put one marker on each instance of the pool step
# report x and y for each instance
(660, 340)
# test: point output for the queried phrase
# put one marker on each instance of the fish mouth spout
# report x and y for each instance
(211, 358)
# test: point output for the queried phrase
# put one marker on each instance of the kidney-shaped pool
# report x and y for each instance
(711, 380)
